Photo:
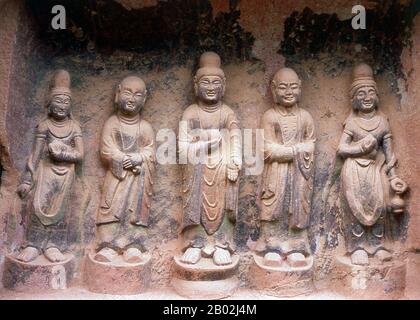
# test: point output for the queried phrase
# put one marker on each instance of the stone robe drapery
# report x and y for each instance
(207, 193)
(287, 186)
(52, 179)
(364, 184)
(126, 192)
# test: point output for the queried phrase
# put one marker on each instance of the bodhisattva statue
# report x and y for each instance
(285, 197)
(210, 185)
(128, 149)
(368, 176)
(48, 180)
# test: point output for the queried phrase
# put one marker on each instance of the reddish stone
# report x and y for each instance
(205, 280)
(38, 275)
(117, 278)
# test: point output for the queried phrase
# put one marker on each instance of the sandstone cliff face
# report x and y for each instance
(161, 41)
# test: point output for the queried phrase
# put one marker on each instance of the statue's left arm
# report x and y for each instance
(304, 151)
(397, 184)
(308, 136)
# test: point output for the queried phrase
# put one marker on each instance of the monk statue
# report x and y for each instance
(128, 150)
(48, 180)
(368, 176)
(287, 181)
(210, 182)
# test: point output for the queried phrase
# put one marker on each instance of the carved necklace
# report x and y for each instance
(60, 129)
(368, 124)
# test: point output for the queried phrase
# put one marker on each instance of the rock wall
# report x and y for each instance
(161, 41)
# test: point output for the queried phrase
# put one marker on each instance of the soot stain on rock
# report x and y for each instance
(334, 42)
(169, 33)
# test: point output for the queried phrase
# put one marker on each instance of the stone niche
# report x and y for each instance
(161, 41)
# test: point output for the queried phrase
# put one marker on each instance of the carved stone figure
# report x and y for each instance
(128, 149)
(49, 176)
(211, 185)
(286, 189)
(368, 176)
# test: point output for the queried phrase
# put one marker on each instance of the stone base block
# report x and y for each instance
(118, 277)
(282, 281)
(37, 275)
(205, 280)
(384, 280)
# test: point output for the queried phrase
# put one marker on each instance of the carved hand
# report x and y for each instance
(56, 148)
(282, 153)
(369, 143)
(398, 185)
(210, 135)
(23, 190)
(232, 172)
(127, 164)
(136, 159)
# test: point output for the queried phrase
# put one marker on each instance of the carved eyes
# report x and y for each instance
(292, 86)
(62, 101)
(128, 94)
(364, 94)
(208, 82)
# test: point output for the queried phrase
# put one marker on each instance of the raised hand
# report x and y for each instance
(369, 143)
(232, 172)
(398, 185)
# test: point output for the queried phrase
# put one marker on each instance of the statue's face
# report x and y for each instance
(131, 97)
(59, 107)
(210, 89)
(286, 90)
(365, 99)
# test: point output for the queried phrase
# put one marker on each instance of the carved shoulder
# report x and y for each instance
(146, 128)
(190, 112)
(42, 126)
(77, 128)
(306, 116)
(268, 117)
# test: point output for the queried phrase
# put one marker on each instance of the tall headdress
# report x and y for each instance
(362, 77)
(60, 84)
(210, 65)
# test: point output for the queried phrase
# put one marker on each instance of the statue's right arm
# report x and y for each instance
(27, 179)
(346, 150)
(110, 151)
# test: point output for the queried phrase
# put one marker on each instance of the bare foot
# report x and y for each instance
(222, 257)
(208, 251)
(132, 255)
(54, 255)
(383, 255)
(191, 256)
(106, 255)
(28, 254)
(272, 259)
(360, 258)
(296, 260)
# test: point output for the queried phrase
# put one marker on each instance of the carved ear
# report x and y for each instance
(272, 84)
(224, 86)
(117, 94)
(145, 95)
(196, 85)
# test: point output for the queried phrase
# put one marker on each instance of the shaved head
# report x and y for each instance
(285, 87)
(134, 83)
(286, 75)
